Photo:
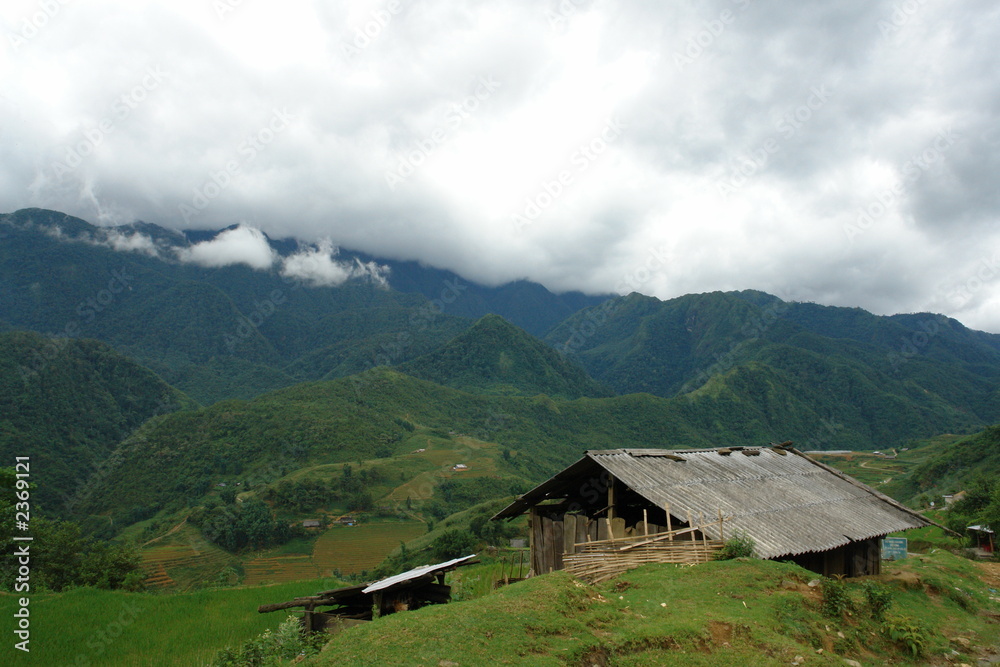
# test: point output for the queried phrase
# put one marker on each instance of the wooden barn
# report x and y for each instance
(615, 509)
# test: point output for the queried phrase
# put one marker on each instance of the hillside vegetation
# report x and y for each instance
(746, 612)
(495, 357)
(235, 332)
(68, 403)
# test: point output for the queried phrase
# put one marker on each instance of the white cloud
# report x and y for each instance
(172, 107)
(319, 267)
(240, 245)
(134, 242)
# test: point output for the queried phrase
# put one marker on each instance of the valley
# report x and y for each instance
(237, 433)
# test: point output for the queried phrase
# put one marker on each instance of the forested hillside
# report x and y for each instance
(495, 357)
(67, 404)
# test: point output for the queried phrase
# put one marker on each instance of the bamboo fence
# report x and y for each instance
(596, 561)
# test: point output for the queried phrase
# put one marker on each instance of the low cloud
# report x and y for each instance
(319, 267)
(134, 242)
(242, 245)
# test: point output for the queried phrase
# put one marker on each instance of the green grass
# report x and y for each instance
(357, 548)
(95, 627)
(744, 612)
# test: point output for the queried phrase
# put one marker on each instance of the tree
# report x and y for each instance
(453, 544)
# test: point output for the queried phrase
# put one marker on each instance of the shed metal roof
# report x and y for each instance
(786, 502)
(417, 573)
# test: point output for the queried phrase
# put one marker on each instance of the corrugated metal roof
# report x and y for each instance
(788, 503)
(416, 573)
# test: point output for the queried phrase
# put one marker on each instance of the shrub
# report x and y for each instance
(740, 545)
(879, 599)
(453, 544)
(836, 599)
(907, 632)
(271, 648)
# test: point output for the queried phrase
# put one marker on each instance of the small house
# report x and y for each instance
(460, 466)
(982, 538)
(311, 523)
(629, 506)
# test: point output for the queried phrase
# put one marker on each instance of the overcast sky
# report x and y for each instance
(839, 152)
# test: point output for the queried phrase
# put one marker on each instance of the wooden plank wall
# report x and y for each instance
(551, 539)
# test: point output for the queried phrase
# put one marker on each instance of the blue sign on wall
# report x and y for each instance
(894, 548)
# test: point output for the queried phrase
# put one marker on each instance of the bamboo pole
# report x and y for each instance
(666, 506)
(645, 523)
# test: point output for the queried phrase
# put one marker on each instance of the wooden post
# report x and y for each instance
(611, 499)
(669, 527)
(645, 523)
(690, 525)
(569, 533)
(704, 537)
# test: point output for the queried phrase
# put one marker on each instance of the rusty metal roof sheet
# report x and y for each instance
(788, 503)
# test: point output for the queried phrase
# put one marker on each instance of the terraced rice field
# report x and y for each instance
(182, 559)
(356, 548)
(179, 565)
(279, 569)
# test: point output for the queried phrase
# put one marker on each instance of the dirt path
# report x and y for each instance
(169, 532)
(864, 464)
(991, 574)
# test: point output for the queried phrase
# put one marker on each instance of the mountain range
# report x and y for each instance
(286, 347)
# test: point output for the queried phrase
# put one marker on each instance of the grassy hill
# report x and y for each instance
(67, 403)
(952, 466)
(496, 357)
(720, 613)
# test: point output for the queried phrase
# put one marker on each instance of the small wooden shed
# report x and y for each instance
(792, 507)
(334, 610)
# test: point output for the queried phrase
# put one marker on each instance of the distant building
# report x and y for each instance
(954, 498)
(983, 537)
(460, 466)
(311, 523)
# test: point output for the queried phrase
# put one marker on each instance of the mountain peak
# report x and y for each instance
(494, 356)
